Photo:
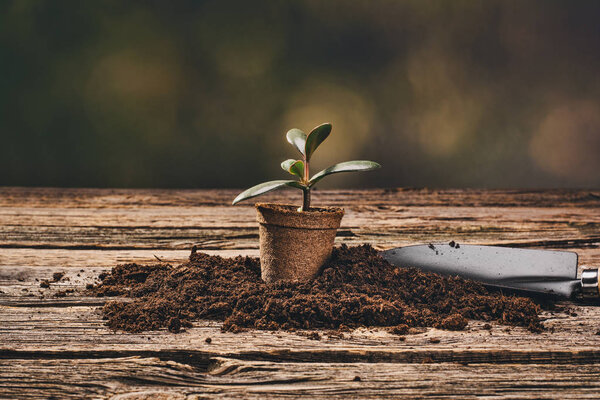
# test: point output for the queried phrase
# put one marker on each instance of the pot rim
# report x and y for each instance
(292, 209)
(285, 215)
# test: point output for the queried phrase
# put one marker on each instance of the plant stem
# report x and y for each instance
(306, 172)
(306, 191)
(305, 199)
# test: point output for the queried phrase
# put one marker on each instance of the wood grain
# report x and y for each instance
(58, 347)
(152, 378)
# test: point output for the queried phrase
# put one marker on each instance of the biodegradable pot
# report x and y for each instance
(293, 244)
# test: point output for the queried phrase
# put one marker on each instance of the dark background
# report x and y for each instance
(200, 93)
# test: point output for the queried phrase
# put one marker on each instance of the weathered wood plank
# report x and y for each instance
(136, 198)
(152, 378)
(229, 228)
(124, 233)
(572, 336)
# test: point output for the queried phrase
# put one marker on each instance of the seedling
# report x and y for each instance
(306, 145)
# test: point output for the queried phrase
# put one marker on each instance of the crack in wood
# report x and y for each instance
(206, 360)
(197, 359)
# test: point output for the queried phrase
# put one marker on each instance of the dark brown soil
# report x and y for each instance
(356, 288)
(64, 293)
(57, 276)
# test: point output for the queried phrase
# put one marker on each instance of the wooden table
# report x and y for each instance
(58, 347)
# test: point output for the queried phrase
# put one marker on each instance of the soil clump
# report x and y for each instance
(355, 288)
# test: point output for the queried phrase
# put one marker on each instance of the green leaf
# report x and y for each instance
(315, 138)
(348, 166)
(294, 167)
(264, 188)
(285, 165)
(297, 138)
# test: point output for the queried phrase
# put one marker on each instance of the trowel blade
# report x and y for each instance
(534, 270)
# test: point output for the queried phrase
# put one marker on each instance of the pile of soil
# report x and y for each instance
(356, 288)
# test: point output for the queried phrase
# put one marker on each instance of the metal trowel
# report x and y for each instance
(541, 271)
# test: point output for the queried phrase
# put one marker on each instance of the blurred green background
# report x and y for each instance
(200, 93)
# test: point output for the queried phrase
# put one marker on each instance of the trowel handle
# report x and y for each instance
(589, 283)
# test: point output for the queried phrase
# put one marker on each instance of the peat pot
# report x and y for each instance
(293, 244)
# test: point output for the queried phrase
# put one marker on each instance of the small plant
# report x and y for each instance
(306, 145)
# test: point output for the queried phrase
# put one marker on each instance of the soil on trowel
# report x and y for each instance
(356, 288)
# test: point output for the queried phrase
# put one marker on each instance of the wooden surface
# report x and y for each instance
(58, 347)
